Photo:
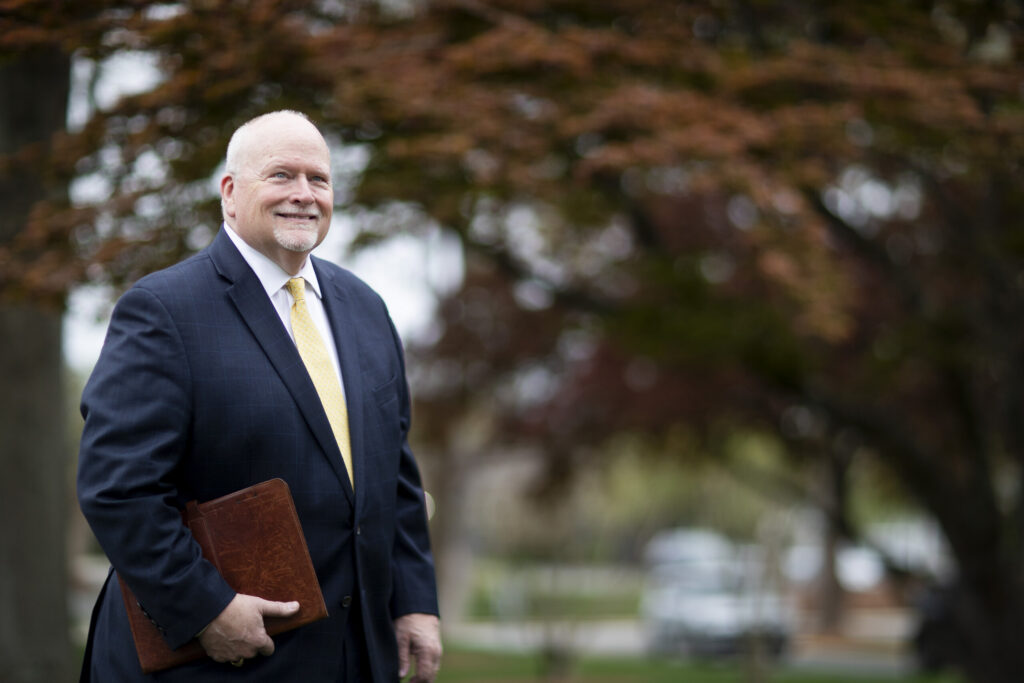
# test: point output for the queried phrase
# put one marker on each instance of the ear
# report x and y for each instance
(227, 194)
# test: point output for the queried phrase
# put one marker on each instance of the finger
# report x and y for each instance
(267, 648)
(403, 653)
(427, 664)
(269, 608)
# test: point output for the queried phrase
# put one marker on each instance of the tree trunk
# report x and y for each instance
(34, 626)
(452, 550)
(987, 612)
(468, 436)
(830, 590)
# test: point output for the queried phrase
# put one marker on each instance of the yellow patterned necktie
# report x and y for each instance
(321, 370)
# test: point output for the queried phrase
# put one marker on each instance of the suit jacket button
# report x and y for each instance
(346, 601)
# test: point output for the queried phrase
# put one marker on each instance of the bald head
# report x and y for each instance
(253, 135)
(276, 190)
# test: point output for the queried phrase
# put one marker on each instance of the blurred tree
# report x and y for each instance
(796, 217)
(34, 633)
(785, 215)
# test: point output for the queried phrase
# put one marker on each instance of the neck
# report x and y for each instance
(290, 262)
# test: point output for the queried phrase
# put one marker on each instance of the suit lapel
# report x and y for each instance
(346, 339)
(249, 297)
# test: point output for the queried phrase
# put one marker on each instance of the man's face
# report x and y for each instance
(280, 198)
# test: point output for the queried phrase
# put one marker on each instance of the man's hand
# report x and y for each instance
(419, 636)
(238, 632)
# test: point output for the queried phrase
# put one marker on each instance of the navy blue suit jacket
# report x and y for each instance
(198, 392)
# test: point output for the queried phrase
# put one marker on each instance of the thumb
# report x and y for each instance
(269, 608)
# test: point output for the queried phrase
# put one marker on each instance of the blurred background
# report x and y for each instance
(714, 310)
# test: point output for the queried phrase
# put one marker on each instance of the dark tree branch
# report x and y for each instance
(751, 24)
(775, 486)
(492, 15)
(868, 251)
(927, 476)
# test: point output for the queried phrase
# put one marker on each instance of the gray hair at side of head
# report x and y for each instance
(239, 137)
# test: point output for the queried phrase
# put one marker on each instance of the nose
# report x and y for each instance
(302, 193)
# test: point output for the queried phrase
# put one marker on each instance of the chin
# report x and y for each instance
(301, 240)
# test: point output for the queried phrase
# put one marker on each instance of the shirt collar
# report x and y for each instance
(271, 275)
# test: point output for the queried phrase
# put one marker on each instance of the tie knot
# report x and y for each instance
(297, 288)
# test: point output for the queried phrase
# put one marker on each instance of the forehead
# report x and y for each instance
(292, 156)
(292, 143)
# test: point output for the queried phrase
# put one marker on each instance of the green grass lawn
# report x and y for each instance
(469, 666)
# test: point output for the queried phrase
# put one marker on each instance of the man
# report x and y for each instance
(203, 387)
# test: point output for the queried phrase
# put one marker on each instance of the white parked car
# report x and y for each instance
(707, 597)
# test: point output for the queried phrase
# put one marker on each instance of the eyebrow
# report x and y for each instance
(275, 166)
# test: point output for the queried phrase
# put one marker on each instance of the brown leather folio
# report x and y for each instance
(254, 538)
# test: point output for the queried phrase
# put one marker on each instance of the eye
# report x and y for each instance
(281, 175)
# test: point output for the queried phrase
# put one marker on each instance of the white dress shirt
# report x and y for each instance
(274, 278)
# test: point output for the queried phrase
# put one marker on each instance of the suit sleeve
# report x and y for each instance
(415, 585)
(137, 410)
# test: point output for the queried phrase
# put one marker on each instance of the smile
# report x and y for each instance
(298, 216)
